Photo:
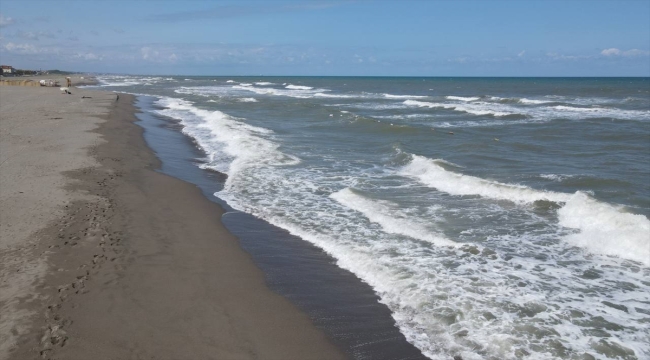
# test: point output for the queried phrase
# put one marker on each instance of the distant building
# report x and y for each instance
(7, 69)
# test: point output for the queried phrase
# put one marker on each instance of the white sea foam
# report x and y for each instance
(277, 92)
(298, 87)
(210, 91)
(391, 218)
(607, 112)
(391, 96)
(232, 145)
(372, 106)
(532, 101)
(603, 228)
(298, 93)
(582, 109)
(535, 114)
(336, 96)
(519, 100)
(461, 98)
(245, 84)
(555, 177)
(428, 104)
(482, 111)
(432, 174)
(264, 83)
(230, 81)
(475, 109)
(110, 81)
(247, 99)
(606, 229)
(205, 92)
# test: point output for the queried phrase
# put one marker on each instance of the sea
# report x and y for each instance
(490, 218)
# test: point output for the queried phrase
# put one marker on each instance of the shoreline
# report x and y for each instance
(117, 280)
(347, 309)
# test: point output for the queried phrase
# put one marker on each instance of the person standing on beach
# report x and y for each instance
(68, 81)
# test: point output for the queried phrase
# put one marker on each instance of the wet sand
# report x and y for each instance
(102, 257)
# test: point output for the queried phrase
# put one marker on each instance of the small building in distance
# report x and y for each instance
(7, 69)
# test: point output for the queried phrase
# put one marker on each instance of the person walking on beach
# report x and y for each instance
(68, 81)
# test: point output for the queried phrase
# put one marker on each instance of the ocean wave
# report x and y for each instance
(298, 87)
(581, 109)
(618, 233)
(478, 109)
(518, 100)
(532, 101)
(391, 96)
(461, 98)
(541, 113)
(264, 83)
(231, 144)
(598, 112)
(110, 81)
(606, 229)
(389, 216)
(555, 177)
(247, 100)
(433, 174)
(205, 91)
(294, 93)
(335, 96)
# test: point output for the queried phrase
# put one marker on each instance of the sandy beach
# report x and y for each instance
(103, 257)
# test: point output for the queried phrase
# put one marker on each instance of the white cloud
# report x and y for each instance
(5, 21)
(611, 52)
(21, 48)
(628, 53)
(35, 35)
(556, 56)
(88, 56)
(636, 52)
(28, 35)
(522, 53)
(148, 53)
(460, 60)
(158, 55)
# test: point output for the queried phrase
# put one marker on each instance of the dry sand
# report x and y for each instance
(102, 257)
(77, 80)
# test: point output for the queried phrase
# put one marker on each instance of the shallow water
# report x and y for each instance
(496, 218)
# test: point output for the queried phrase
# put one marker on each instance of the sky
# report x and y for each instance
(329, 38)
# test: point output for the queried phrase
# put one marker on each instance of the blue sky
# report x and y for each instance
(313, 37)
